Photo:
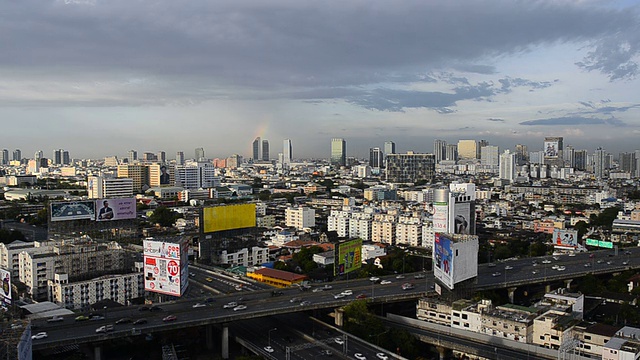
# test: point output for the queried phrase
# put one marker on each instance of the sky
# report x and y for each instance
(100, 77)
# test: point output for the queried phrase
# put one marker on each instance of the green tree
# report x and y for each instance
(164, 216)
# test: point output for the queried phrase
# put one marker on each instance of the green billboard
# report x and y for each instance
(600, 243)
(348, 256)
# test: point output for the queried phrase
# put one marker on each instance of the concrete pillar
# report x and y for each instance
(512, 291)
(225, 342)
(567, 283)
(547, 288)
(209, 336)
(97, 353)
(442, 352)
(339, 318)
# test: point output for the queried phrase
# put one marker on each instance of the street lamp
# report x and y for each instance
(269, 334)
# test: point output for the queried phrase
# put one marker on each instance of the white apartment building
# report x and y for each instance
(10, 254)
(551, 328)
(283, 237)
(508, 322)
(245, 257)
(300, 217)
(338, 221)
(467, 316)
(100, 187)
(383, 229)
(428, 235)
(434, 310)
(360, 226)
(409, 231)
(198, 175)
(625, 345)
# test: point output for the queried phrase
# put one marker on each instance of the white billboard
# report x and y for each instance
(115, 209)
(165, 267)
(565, 238)
(463, 218)
(551, 148)
(443, 260)
(5, 293)
(440, 217)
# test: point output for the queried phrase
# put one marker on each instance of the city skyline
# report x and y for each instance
(99, 78)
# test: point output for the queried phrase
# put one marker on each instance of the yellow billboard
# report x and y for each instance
(228, 217)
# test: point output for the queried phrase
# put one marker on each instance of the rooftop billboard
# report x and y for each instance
(551, 148)
(440, 217)
(228, 217)
(73, 210)
(115, 209)
(443, 260)
(165, 267)
(565, 238)
(348, 257)
(5, 292)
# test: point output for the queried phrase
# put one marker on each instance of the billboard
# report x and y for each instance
(228, 217)
(165, 270)
(348, 256)
(115, 209)
(73, 210)
(600, 243)
(440, 216)
(5, 293)
(565, 238)
(551, 148)
(464, 218)
(443, 260)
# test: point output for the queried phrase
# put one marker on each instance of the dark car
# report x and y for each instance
(169, 318)
(140, 322)
(155, 308)
(123, 321)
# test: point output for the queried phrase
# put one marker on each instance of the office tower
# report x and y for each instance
(490, 156)
(537, 157)
(256, 147)
(389, 147)
(100, 187)
(233, 161)
(66, 159)
(553, 149)
(522, 154)
(451, 152)
(467, 149)
(637, 172)
(508, 166)
(627, 162)
(287, 151)
(38, 155)
(440, 150)
(148, 156)
(600, 163)
(199, 152)
(139, 173)
(179, 158)
(57, 157)
(410, 167)
(17, 155)
(199, 175)
(338, 152)
(161, 156)
(265, 150)
(4, 157)
(568, 155)
(376, 158)
(132, 156)
(481, 144)
(580, 160)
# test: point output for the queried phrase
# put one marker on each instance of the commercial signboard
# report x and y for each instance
(73, 210)
(600, 243)
(551, 148)
(115, 209)
(5, 289)
(443, 260)
(228, 217)
(565, 238)
(440, 217)
(165, 270)
(463, 218)
(348, 256)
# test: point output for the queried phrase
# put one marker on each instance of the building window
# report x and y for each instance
(587, 337)
(541, 337)
(465, 316)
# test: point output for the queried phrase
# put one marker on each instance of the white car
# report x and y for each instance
(572, 254)
(198, 305)
(230, 305)
(534, 272)
(546, 261)
(268, 349)
(338, 296)
(359, 356)
(339, 340)
(561, 268)
(317, 290)
(347, 293)
(554, 267)
(400, 276)
(382, 356)
(508, 267)
(385, 282)
(239, 307)
(327, 287)
(38, 336)
(374, 279)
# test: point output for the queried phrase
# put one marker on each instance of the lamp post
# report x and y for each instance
(269, 334)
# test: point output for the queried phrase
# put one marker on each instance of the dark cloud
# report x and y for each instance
(496, 120)
(571, 121)
(508, 83)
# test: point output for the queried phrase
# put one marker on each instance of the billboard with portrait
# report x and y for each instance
(443, 260)
(5, 293)
(440, 217)
(73, 210)
(565, 238)
(464, 218)
(551, 148)
(348, 256)
(115, 209)
(228, 217)
(165, 269)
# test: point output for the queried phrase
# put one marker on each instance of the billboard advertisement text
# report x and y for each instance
(115, 209)
(565, 238)
(440, 216)
(162, 267)
(443, 260)
(228, 217)
(73, 210)
(348, 256)
(551, 149)
(5, 293)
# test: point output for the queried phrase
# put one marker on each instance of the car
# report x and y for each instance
(326, 352)
(600, 261)
(209, 279)
(535, 272)
(236, 277)
(408, 286)
(546, 261)
(294, 299)
(339, 340)
(419, 276)
(123, 321)
(572, 254)
(317, 290)
(239, 307)
(587, 265)
(239, 288)
(508, 267)
(82, 318)
(96, 318)
(40, 335)
(55, 319)
(497, 273)
(104, 329)
(169, 318)
(230, 305)
(140, 322)
(155, 308)
(268, 349)
(16, 326)
(400, 276)
(561, 268)
(554, 267)
(374, 279)
(359, 356)
(491, 265)
(305, 303)
(338, 296)
(347, 292)
(556, 258)
(609, 262)
(625, 263)
(385, 282)
(361, 296)
(382, 356)
(192, 274)
(534, 264)
(627, 252)
(327, 287)
(198, 305)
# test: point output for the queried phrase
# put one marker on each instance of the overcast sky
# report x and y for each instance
(99, 77)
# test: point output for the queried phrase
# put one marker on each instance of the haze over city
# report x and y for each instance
(100, 77)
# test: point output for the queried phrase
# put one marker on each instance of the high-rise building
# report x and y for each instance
(148, 156)
(17, 155)
(553, 148)
(132, 156)
(508, 166)
(179, 158)
(265, 150)
(490, 156)
(376, 158)
(161, 156)
(410, 167)
(66, 159)
(57, 157)
(467, 149)
(287, 151)
(637, 172)
(38, 155)
(600, 159)
(451, 152)
(4, 157)
(199, 175)
(139, 173)
(199, 152)
(627, 161)
(440, 150)
(233, 161)
(569, 156)
(256, 147)
(481, 144)
(338, 152)
(389, 147)
(522, 154)
(580, 160)
(99, 187)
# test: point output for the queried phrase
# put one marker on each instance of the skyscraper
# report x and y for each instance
(161, 156)
(66, 159)
(440, 150)
(132, 156)
(522, 154)
(627, 161)
(490, 156)
(410, 167)
(467, 149)
(179, 158)
(375, 158)
(17, 155)
(57, 157)
(338, 152)
(38, 155)
(508, 166)
(4, 157)
(287, 151)
(200, 154)
(580, 160)
(257, 146)
(600, 163)
(265, 150)
(553, 147)
(568, 155)
(451, 152)
(389, 147)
